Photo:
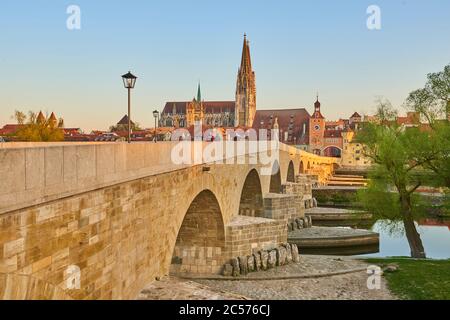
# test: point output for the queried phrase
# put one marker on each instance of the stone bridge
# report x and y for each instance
(102, 220)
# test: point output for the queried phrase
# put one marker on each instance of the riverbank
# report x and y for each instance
(416, 279)
(314, 278)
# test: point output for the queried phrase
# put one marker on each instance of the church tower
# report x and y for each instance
(195, 111)
(316, 129)
(245, 90)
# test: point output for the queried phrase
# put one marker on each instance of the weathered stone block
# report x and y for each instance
(272, 259)
(243, 265)
(236, 267)
(281, 256)
(295, 253)
(288, 253)
(251, 263)
(305, 222)
(264, 259)
(257, 258)
(228, 270)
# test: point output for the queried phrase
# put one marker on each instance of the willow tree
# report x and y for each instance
(399, 155)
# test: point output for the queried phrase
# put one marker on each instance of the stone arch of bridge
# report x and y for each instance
(301, 170)
(275, 179)
(201, 237)
(291, 172)
(251, 201)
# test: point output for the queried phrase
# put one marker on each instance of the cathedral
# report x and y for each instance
(238, 113)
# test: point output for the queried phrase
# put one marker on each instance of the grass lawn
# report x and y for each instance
(417, 279)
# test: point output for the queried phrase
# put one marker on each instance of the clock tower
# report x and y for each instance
(316, 129)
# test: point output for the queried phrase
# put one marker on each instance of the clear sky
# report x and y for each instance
(298, 48)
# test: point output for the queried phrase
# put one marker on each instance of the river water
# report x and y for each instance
(435, 235)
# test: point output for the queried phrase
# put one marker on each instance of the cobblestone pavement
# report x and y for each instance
(341, 287)
(352, 286)
(177, 289)
(309, 265)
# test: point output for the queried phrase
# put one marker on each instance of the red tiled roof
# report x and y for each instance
(332, 133)
(10, 129)
(210, 107)
(289, 120)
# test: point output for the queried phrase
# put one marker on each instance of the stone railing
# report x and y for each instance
(34, 173)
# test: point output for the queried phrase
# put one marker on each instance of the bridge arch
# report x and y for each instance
(291, 172)
(201, 237)
(332, 151)
(251, 202)
(275, 179)
(301, 170)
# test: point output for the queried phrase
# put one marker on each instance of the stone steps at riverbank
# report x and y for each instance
(335, 241)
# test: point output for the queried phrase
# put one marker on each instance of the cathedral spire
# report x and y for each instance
(246, 62)
(199, 93)
(245, 109)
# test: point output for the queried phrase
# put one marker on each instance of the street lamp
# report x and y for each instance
(156, 116)
(129, 80)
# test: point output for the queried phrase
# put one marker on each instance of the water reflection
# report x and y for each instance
(435, 236)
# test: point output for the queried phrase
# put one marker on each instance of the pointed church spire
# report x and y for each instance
(199, 93)
(246, 62)
(245, 109)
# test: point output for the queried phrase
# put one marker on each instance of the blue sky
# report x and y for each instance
(298, 48)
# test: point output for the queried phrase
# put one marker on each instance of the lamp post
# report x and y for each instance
(129, 80)
(156, 116)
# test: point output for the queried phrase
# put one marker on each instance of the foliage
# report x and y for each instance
(124, 127)
(432, 101)
(34, 130)
(418, 279)
(433, 104)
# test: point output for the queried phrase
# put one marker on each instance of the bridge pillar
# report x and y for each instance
(297, 206)
(306, 180)
(247, 235)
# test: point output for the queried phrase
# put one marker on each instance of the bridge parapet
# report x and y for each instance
(34, 173)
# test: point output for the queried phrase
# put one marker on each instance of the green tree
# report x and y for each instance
(433, 104)
(407, 158)
(34, 129)
(399, 155)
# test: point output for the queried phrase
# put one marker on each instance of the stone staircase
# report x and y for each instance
(347, 180)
